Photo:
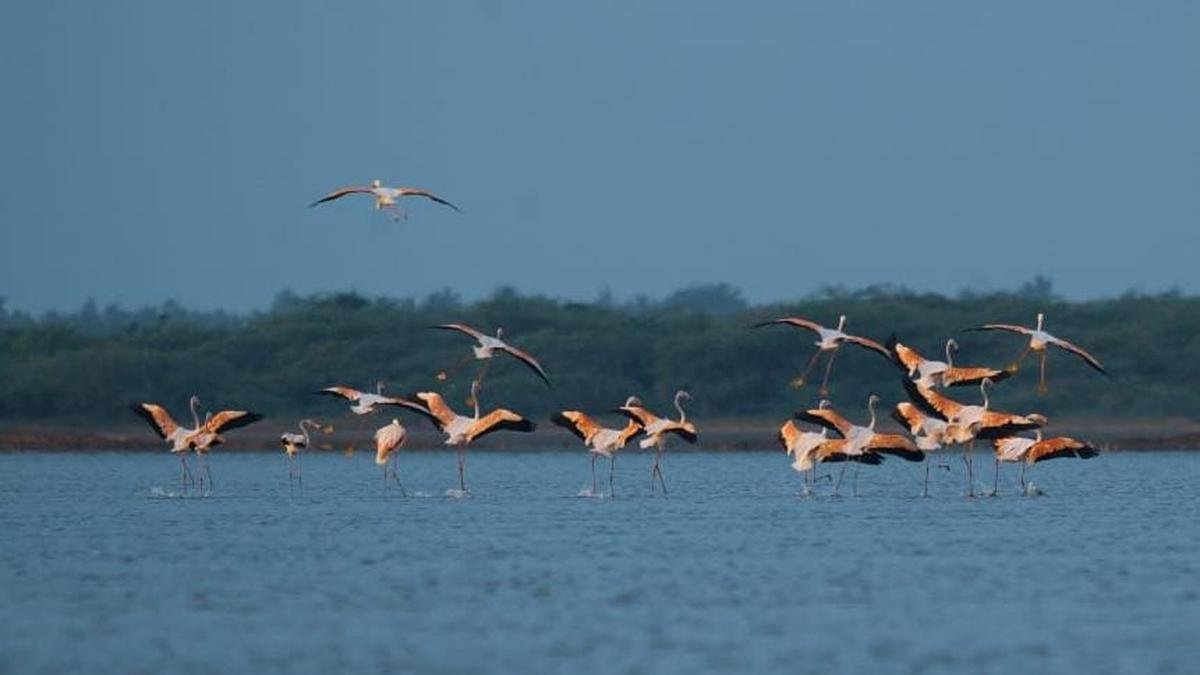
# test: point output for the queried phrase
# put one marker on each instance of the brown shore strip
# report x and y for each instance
(723, 435)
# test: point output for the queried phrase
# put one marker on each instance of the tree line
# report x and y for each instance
(88, 365)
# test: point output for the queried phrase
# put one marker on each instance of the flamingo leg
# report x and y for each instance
(462, 481)
(970, 470)
(593, 473)
(841, 474)
(828, 369)
(612, 463)
(300, 470)
(185, 473)
(1024, 487)
(1042, 388)
(396, 474)
(799, 381)
(356, 435)
(857, 468)
(925, 488)
(482, 373)
(996, 479)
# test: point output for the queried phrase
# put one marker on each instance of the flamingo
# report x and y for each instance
(363, 403)
(169, 430)
(830, 339)
(208, 436)
(802, 446)
(928, 433)
(1033, 450)
(862, 440)
(942, 373)
(599, 440)
(658, 429)
(486, 347)
(388, 439)
(965, 423)
(293, 442)
(1039, 339)
(461, 430)
(385, 197)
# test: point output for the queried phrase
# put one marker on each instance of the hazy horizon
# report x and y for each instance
(163, 152)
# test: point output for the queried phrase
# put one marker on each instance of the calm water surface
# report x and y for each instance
(106, 567)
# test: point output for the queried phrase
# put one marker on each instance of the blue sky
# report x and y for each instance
(168, 150)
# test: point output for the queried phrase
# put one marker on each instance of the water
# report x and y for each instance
(104, 568)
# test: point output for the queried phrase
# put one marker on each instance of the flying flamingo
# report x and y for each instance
(1038, 341)
(862, 440)
(1034, 450)
(599, 440)
(388, 439)
(965, 423)
(169, 430)
(461, 430)
(292, 443)
(942, 373)
(385, 197)
(209, 435)
(486, 347)
(658, 429)
(363, 403)
(802, 446)
(830, 339)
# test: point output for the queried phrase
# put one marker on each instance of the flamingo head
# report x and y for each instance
(824, 404)
(841, 321)
(873, 399)
(1039, 419)
(378, 386)
(952, 344)
(1040, 319)
(632, 402)
(194, 400)
(682, 395)
(376, 183)
(499, 333)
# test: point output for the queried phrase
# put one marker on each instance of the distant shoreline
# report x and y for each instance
(725, 435)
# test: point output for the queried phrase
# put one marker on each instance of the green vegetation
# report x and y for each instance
(87, 365)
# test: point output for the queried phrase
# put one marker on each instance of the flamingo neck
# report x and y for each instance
(679, 407)
(841, 322)
(1040, 319)
(193, 404)
(304, 432)
(949, 354)
(983, 390)
(871, 407)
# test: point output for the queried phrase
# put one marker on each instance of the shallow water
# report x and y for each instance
(105, 566)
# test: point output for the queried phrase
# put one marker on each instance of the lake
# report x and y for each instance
(107, 566)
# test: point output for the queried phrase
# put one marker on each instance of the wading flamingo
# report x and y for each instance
(292, 443)
(209, 435)
(658, 429)
(169, 430)
(385, 197)
(829, 340)
(599, 440)
(943, 373)
(1033, 450)
(486, 347)
(388, 439)
(965, 423)
(1038, 341)
(928, 433)
(862, 440)
(461, 430)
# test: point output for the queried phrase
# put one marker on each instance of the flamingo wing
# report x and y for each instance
(972, 375)
(338, 194)
(577, 423)
(797, 321)
(435, 409)
(499, 419)
(909, 416)
(995, 424)
(347, 393)
(897, 445)
(461, 328)
(907, 357)
(418, 192)
(789, 433)
(528, 360)
(1081, 353)
(686, 431)
(834, 450)
(931, 402)
(826, 417)
(227, 420)
(638, 414)
(157, 417)
(1001, 326)
(1061, 446)
(869, 344)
